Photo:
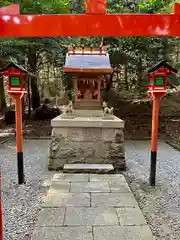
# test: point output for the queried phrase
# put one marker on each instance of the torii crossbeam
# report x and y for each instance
(96, 22)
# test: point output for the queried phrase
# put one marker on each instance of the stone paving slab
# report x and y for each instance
(107, 178)
(90, 207)
(130, 216)
(57, 187)
(85, 187)
(122, 233)
(121, 187)
(66, 199)
(70, 177)
(63, 233)
(113, 200)
(51, 217)
(117, 182)
(76, 216)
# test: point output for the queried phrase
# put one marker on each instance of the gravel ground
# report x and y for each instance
(160, 205)
(22, 203)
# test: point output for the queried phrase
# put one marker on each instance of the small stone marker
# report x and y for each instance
(86, 168)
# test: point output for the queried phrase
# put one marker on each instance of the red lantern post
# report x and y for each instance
(16, 90)
(1, 207)
(157, 89)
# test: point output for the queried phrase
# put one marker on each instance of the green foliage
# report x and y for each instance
(115, 6)
(5, 3)
(43, 6)
(152, 6)
(136, 53)
(18, 47)
(177, 65)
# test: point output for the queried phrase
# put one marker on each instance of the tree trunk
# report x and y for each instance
(139, 72)
(29, 95)
(2, 95)
(165, 47)
(177, 56)
(126, 77)
(35, 93)
(32, 63)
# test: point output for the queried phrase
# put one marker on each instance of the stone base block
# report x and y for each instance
(85, 141)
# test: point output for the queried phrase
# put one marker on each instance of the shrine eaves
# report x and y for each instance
(87, 60)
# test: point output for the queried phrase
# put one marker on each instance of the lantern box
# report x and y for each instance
(158, 77)
(16, 76)
(15, 82)
(157, 82)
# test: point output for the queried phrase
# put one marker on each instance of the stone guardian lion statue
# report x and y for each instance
(106, 110)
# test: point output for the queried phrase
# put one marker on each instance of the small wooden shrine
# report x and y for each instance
(87, 67)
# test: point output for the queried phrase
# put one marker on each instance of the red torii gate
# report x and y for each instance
(96, 22)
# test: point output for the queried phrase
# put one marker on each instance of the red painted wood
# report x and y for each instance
(13, 9)
(1, 207)
(95, 23)
(95, 6)
(90, 25)
(177, 8)
(4, 73)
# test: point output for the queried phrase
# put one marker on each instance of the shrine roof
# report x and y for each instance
(87, 61)
(162, 64)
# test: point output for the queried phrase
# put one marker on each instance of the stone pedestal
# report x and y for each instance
(86, 140)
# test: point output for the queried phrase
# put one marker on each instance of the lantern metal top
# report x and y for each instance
(4, 71)
(164, 64)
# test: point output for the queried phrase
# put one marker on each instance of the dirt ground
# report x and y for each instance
(137, 116)
(30, 128)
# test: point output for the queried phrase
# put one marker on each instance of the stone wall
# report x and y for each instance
(86, 145)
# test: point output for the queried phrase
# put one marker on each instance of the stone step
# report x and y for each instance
(87, 168)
